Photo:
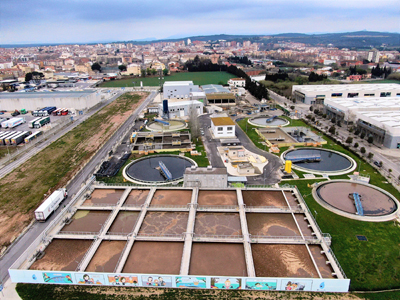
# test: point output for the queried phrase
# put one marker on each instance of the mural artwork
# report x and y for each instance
(50, 277)
(296, 285)
(260, 284)
(157, 280)
(128, 280)
(194, 282)
(85, 278)
(226, 283)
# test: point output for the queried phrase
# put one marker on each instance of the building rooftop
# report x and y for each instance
(222, 121)
(221, 171)
(220, 96)
(70, 94)
(168, 83)
(347, 87)
(214, 88)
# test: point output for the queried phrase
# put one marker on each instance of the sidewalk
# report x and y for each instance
(9, 291)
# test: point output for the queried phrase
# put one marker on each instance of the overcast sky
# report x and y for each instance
(85, 21)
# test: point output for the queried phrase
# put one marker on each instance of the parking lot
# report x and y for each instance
(28, 117)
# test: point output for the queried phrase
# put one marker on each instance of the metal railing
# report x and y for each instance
(337, 262)
(212, 236)
(78, 233)
(171, 235)
(216, 207)
(99, 204)
(84, 256)
(281, 237)
(168, 206)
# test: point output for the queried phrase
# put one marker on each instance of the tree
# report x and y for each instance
(194, 122)
(355, 145)
(362, 136)
(370, 155)
(349, 140)
(363, 150)
(143, 72)
(332, 130)
(122, 68)
(34, 76)
(165, 72)
(370, 139)
(28, 77)
(96, 67)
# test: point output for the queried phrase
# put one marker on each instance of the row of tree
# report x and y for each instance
(314, 77)
(240, 60)
(379, 72)
(281, 75)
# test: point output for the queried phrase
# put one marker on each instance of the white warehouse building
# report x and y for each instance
(181, 109)
(315, 94)
(179, 89)
(377, 117)
(34, 100)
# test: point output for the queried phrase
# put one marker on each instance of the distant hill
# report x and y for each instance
(353, 40)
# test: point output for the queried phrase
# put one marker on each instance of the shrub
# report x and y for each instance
(370, 139)
(356, 145)
(363, 150)
(332, 129)
(349, 140)
(362, 135)
(370, 155)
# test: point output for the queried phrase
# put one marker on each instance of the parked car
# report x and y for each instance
(378, 163)
(15, 113)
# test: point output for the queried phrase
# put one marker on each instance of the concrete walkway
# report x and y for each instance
(9, 292)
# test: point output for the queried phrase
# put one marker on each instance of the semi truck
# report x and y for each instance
(41, 122)
(16, 140)
(50, 204)
(8, 139)
(45, 111)
(33, 136)
(4, 137)
(14, 122)
(31, 123)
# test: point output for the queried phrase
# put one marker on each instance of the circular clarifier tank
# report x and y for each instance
(374, 203)
(320, 161)
(268, 121)
(150, 170)
(166, 125)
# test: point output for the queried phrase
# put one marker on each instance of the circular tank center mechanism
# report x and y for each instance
(265, 121)
(357, 199)
(158, 168)
(166, 125)
(319, 160)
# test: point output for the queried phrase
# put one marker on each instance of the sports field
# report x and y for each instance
(198, 78)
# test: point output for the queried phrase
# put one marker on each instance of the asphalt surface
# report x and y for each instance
(73, 187)
(270, 173)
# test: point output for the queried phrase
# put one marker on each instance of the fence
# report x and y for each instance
(216, 207)
(78, 233)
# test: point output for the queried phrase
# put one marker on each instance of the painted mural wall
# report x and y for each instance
(201, 282)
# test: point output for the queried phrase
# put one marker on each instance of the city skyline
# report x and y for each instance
(92, 21)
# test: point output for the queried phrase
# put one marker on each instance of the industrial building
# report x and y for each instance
(315, 94)
(31, 101)
(376, 117)
(223, 127)
(206, 177)
(218, 95)
(181, 109)
(179, 89)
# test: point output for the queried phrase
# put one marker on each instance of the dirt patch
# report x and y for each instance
(23, 189)
(303, 224)
(217, 198)
(106, 256)
(321, 259)
(62, 255)
(124, 222)
(104, 196)
(164, 223)
(221, 259)
(10, 232)
(282, 261)
(271, 224)
(87, 221)
(264, 198)
(291, 199)
(154, 258)
(217, 224)
(136, 197)
(171, 197)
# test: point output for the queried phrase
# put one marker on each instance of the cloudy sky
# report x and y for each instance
(84, 21)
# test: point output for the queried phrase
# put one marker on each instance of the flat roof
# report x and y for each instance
(221, 121)
(214, 171)
(347, 87)
(182, 103)
(220, 96)
(214, 88)
(178, 83)
(68, 94)
(363, 103)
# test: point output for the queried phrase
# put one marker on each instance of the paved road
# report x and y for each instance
(270, 175)
(73, 187)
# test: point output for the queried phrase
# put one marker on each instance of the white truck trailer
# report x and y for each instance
(50, 204)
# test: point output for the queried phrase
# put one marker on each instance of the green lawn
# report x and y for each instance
(371, 265)
(198, 78)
